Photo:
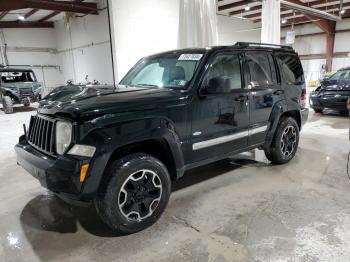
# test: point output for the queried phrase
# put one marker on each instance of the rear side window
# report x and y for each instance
(259, 69)
(292, 70)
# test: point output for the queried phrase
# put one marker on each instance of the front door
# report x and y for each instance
(220, 114)
(265, 92)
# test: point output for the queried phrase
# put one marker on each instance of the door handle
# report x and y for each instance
(241, 98)
(278, 92)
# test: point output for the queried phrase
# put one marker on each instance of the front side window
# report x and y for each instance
(259, 69)
(292, 70)
(164, 71)
(224, 74)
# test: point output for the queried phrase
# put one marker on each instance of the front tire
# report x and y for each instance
(318, 110)
(135, 192)
(7, 104)
(285, 143)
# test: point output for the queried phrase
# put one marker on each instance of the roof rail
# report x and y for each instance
(252, 44)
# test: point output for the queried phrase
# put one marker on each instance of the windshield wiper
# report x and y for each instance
(147, 85)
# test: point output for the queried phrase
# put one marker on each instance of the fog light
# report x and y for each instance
(83, 172)
(82, 150)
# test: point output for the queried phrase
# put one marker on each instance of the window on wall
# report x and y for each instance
(259, 69)
(292, 70)
(225, 73)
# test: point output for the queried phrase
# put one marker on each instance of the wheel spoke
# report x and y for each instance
(140, 195)
(288, 141)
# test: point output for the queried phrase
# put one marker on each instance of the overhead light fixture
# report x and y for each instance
(21, 17)
(247, 8)
(284, 21)
(342, 11)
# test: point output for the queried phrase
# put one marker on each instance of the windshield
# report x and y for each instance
(173, 70)
(12, 77)
(341, 75)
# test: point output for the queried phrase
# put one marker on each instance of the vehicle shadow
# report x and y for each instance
(48, 213)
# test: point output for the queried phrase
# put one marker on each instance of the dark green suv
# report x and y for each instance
(122, 147)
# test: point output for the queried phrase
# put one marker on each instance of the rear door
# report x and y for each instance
(265, 90)
(220, 119)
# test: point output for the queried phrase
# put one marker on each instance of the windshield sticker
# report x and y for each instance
(191, 57)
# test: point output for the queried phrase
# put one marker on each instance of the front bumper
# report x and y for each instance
(60, 175)
(321, 102)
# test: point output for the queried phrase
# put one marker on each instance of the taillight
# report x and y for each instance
(303, 96)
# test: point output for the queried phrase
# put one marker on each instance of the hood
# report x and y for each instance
(94, 101)
(335, 85)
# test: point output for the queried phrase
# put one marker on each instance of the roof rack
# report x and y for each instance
(252, 44)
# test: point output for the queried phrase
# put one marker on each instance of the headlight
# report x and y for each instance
(82, 150)
(63, 136)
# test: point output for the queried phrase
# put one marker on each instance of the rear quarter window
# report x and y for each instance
(291, 69)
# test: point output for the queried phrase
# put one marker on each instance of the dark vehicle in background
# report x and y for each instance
(18, 86)
(332, 93)
(121, 148)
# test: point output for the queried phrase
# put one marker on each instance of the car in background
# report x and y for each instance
(332, 93)
(18, 86)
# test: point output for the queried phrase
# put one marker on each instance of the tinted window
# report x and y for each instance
(224, 73)
(292, 70)
(172, 70)
(12, 77)
(341, 75)
(259, 69)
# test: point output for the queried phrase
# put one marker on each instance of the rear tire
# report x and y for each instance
(7, 104)
(318, 110)
(285, 143)
(134, 194)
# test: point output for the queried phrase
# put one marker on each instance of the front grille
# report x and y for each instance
(25, 92)
(41, 134)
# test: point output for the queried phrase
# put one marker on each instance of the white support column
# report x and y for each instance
(198, 23)
(271, 22)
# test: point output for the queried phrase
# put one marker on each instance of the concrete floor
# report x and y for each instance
(239, 210)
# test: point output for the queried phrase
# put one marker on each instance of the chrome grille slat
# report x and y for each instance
(41, 133)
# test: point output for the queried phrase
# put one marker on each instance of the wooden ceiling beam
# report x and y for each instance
(3, 14)
(49, 16)
(236, 4)
(310, 4)
(26, 25)
(30, 13)
(63, 6)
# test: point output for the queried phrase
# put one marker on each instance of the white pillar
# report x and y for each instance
(270, 22)
(198, 23)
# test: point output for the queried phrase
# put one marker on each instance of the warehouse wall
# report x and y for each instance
(34, 47)
(144, 27)
(65, 54)
(231, 30)
(141, 28)
(84, 48)
(317, 45)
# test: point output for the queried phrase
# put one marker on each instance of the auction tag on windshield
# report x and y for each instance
(192, 57)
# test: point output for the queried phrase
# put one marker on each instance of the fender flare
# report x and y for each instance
(101, 160)
(278, 109)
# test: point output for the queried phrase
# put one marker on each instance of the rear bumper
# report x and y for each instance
(304, 112)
